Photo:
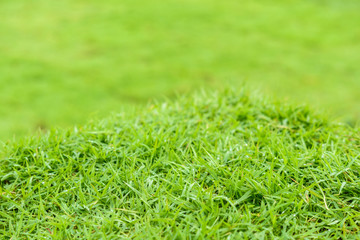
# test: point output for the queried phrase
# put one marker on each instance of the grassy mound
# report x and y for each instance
(214, 166)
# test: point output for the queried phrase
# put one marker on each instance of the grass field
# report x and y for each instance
(219, 164)
(214, 166)
(62, 62)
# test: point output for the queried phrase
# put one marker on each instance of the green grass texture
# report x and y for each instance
(215, 165)
(63, 62)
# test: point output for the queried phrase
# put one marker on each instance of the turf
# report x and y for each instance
(228, 165)
(61, 61)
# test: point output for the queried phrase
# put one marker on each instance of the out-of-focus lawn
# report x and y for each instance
(62, 61)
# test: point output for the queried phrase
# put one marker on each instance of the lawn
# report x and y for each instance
(64, 62)
(228, 165)
(148, 158)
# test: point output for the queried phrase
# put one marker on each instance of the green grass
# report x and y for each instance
(230, 165)
(62, 61)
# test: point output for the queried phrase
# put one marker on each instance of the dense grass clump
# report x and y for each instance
(215, 166)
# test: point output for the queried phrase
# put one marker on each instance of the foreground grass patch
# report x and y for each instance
(218, 166)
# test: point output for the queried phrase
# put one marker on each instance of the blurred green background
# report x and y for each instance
(63, 62)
